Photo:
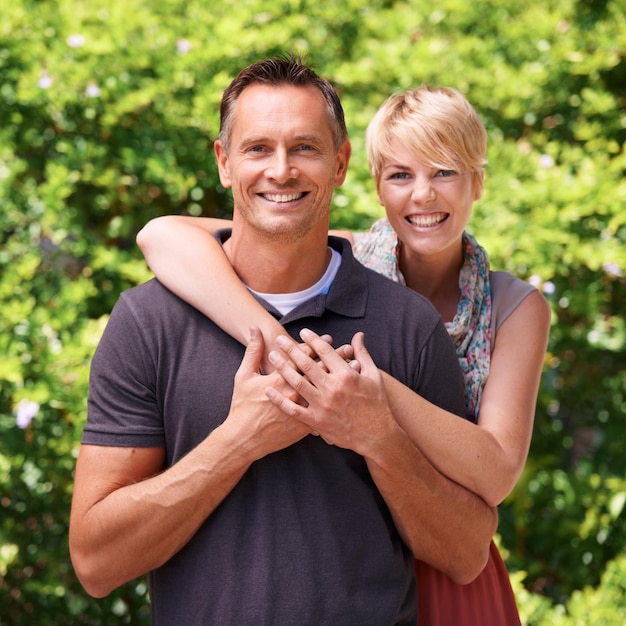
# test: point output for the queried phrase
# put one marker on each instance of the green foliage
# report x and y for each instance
(601, 606)
(110, 110)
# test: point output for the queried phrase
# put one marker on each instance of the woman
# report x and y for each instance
(426, 149)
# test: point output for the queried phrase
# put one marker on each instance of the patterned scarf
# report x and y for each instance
(470, 329)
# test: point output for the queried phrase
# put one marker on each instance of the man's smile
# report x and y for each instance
(283, 197)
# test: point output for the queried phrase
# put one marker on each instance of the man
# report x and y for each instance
(242, 513)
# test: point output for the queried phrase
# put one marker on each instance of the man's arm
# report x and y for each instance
(126, 521)
(129, 517)
(443, 523)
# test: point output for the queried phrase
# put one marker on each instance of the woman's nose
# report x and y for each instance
(423, 190)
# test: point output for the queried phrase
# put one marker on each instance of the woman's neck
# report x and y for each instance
(436, 277)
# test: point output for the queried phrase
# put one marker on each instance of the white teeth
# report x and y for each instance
(275, 197)
(424, 221)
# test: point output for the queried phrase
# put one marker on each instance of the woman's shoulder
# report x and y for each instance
(377, 249)
(379, 231)
(507, 293)
(505, 282)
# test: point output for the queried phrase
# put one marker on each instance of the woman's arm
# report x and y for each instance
(185, 257)
(443, 523)
(183, 254)
(487, 458)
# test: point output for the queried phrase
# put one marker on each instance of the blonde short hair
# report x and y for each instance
(436, 124)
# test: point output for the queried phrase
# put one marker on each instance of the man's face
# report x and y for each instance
(282, 165)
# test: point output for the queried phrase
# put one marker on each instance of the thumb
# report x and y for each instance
(251, 361)
(361, 353)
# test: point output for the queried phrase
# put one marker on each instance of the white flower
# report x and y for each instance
(45, 80)
(549, 287)
(546, 161)
(612, 269)
(26, 411)
(535, 280)
(183, 46)
(75, 41)
(92, 91)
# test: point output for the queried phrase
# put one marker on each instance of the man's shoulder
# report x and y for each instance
(151, 289)
(381, 286)
(151, 299)
(359, 290)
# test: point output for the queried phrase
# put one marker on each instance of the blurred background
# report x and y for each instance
(108, 112)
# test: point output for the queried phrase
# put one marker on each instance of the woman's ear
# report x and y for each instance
(479, 185)
(378, 194)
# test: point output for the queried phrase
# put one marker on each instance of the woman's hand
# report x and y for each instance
(345, 406)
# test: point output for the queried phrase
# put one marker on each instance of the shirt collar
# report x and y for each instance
(347, 295)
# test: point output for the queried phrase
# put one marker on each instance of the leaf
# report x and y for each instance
(616, 505)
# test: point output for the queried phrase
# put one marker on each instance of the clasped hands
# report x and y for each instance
(315, 389)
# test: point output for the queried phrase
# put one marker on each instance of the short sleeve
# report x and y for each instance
(122, 405)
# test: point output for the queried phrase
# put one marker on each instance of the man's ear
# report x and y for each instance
(222, 164)
(342, 160)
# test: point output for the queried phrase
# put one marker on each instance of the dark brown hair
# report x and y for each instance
(283, 70)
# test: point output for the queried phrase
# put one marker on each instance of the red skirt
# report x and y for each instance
(487, 601)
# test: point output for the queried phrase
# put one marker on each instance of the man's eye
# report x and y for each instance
(306, 148)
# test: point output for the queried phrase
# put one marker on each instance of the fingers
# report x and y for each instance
(328, 357)
(287, 406)
(362, 356)
(311, 353)
(345, 408)
(290, 362)
(313, 359)
(346, 352)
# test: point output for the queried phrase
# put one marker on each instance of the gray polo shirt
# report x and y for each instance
(305, 537)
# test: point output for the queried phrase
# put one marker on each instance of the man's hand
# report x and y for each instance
(253, 416)
(345, 407)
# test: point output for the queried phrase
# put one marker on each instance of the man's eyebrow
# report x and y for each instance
(253, 139)
(310, 137)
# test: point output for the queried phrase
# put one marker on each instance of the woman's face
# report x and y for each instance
(427, 207)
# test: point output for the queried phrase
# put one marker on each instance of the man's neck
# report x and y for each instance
(274, 266)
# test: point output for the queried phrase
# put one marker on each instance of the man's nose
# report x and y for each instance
(281, 169)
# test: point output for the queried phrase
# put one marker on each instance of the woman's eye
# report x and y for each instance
(446, 173)
(398, 176)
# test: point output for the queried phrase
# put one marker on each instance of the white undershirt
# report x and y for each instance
(285, 302)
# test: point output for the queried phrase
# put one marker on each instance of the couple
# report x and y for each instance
(302, 495)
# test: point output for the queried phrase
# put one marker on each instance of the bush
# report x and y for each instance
(110, 110)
